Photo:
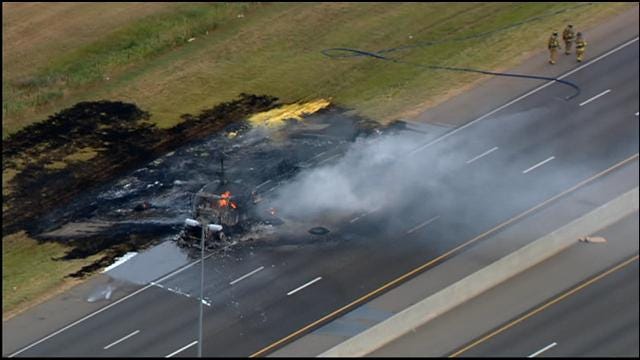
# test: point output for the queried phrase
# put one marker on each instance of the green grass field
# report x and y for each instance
(143, 54)
(275, 49)
(29, 274)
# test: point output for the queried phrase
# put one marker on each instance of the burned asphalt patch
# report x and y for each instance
(138, 189)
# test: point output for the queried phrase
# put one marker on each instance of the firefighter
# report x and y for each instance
(581, 45)
(553, 45)
(567, 36)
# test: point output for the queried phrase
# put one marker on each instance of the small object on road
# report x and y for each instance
(567, 36)
(553, 46)
(319, 230)
(581, 46)
(594, 239)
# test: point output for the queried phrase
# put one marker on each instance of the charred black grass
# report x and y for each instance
(122, 138)
(135, 188)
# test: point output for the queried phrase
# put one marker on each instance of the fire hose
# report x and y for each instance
(343, 52)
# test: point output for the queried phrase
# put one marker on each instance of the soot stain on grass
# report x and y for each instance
(121, 138)
(135, 191)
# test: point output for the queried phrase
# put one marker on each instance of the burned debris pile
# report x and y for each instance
(59, 164)
(118, 136)
(139, 187)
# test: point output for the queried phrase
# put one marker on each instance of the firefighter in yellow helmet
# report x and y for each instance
(581, 46)
(567, 36)
(554, 45)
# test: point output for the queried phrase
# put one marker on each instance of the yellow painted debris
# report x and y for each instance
(276, 117)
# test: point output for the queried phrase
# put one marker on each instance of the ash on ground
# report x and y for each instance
(150, 204)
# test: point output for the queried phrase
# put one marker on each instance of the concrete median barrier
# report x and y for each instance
(490, 276)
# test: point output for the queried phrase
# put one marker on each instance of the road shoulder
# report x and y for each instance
(455, 329)
(488, 94)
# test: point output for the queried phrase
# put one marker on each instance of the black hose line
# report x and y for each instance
(350, 52)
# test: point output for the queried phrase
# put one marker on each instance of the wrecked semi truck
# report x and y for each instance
(226, 211)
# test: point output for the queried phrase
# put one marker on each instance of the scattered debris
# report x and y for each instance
(106, 205)
(122, 138)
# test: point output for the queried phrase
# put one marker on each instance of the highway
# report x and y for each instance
(601, 320)
(584, 299)
(535, 148)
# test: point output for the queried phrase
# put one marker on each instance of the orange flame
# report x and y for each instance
(225, 200)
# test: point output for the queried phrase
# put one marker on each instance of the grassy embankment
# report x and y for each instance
(144, 55)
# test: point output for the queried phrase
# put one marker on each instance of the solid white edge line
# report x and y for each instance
(523, 96)
(539, 164)
(413, 151)
(181, 349)
(595, 97)
(109, 306)
(542, 350)
(121, 340)
(246, 275)
(81, 320)
(304, 286)
(423, 224)
(483, 154)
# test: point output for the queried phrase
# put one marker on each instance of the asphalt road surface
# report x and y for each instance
(529, 151)
(584, 299)
(599, 320)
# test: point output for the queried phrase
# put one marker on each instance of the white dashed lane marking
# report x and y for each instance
(421, 225)
(304, 286)
(122, 339)
(595, 97)
(182, 349)
(481, 155)
(539, 164)
(246, 275)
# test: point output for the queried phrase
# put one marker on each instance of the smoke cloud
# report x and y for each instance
(375, 172)
(384, 172)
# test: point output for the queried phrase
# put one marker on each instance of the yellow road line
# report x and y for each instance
(559, 298)
(431, 262)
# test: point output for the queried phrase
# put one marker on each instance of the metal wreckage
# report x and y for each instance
(235, 207)
(239, 209)
(223, 212)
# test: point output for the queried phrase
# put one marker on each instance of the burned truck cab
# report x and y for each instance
(223, 208)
